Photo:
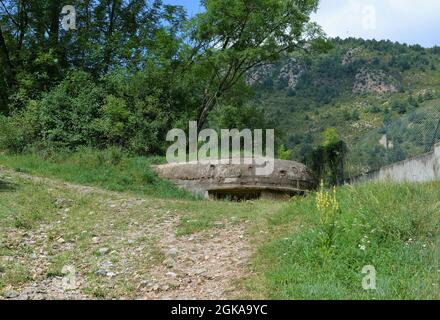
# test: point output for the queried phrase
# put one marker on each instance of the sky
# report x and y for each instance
(405, 21)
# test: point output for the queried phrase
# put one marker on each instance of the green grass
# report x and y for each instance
(14, 274)
(202, 215)
(24, 212)
(398, 225)
(109, 169)
(395, 228)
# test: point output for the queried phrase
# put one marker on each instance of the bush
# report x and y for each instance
(80, 112)
(65, 118)
(21, 129)
(67, 114)
(242, 117)
(375, 109)
(138, 113)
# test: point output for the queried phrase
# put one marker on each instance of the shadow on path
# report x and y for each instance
(7, 186)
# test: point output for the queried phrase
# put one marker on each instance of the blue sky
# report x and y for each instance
(192, 6)
(408, 21)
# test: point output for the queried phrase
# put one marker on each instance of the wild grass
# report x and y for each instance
(35, 229)
(394, 228)
(198, 216)
(110, 169)
(299, 252)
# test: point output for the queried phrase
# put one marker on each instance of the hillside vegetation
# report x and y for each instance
(84, 116)
(382, 98)
(364, 89)
(119, 242)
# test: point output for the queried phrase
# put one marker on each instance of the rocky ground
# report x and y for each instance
(100, 244)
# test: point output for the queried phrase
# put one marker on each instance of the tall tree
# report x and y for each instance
(5, 60)
(233, 36)
(112, 5)
(54, 23)
(22, 25)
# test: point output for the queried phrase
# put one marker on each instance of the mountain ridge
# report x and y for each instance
(360, 87)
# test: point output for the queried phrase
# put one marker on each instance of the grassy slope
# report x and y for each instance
(398, 224)
(109, 169)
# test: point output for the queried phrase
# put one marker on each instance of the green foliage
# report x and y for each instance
(67, 113)
(328, 159)
(329, 209)
(140, 110)
(111, 169)
(407, 135)
(117, 111)
(284, 154)
(46, 64)
(391, 227)
(354, 115)
(63, 118)
(21, 129)
(400, 106)
(233, 37)
(239, 117)
(323, 97)
(330, 137)
(115, 119)
(150, 70)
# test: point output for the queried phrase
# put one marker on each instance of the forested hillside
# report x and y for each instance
(363, 89)
(130, 73)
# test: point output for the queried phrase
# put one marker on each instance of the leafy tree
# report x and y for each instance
(68, 112)
(233, 36)
(35, 54)
(327, 160)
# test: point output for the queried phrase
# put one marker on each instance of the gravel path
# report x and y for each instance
(204, 265)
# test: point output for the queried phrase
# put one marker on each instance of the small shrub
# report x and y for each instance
(284, 153)
(21, 129)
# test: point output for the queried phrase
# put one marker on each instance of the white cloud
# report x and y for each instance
(398, 20)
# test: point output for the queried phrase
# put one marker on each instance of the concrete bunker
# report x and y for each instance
(239, 182)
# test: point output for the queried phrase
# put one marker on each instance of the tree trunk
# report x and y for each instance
(54, 27)
(109, 45)
(5, 60)
(23, 19)
(207, 107)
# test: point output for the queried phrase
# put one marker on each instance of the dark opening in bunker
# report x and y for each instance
(234, 195)
(245, 195)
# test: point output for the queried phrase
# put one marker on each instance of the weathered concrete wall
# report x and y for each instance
(423, 168)
(240, 180)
